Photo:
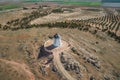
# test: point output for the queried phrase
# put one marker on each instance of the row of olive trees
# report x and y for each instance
(111, 27)
(24, 22)
(113, 35)
(79, 24)
(65, 24)
(58, 10)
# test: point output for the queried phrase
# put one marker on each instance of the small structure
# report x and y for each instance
(57, 40)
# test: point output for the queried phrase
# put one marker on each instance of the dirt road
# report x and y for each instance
(57, 61)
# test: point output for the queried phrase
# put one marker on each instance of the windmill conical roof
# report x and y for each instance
(56, 35)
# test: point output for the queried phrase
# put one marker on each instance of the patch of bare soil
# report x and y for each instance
(19, 69)
(12, 15)
(78, 14)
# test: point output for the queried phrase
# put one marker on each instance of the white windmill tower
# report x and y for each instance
(57, 40)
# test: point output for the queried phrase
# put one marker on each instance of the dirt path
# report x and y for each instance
(57, 61)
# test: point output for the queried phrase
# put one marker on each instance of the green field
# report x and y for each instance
(84, 3)
(13, 6)
(9, 6)
(69, 2)
(31, 0)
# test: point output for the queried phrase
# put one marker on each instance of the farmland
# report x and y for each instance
(9, 6)
(83, 3)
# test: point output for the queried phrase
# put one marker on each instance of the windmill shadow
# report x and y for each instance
(51, 47)
(43, 53)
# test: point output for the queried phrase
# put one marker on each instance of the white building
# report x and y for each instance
(57, 40)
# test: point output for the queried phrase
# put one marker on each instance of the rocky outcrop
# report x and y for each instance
(94, 61)
(87, 57)
(53, 68)
(70, 64)
(43, 70)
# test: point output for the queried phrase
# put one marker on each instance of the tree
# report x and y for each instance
(0, 25)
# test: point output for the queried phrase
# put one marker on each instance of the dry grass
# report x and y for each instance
(78, 14)
(17, 64)
(109, 57)
(12, 15)
(10, 70)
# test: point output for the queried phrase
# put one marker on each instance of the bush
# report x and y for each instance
(58, 10)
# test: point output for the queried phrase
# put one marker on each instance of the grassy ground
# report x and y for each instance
(70, 2)
(31, 0)
(84, 3)
(9, 6)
